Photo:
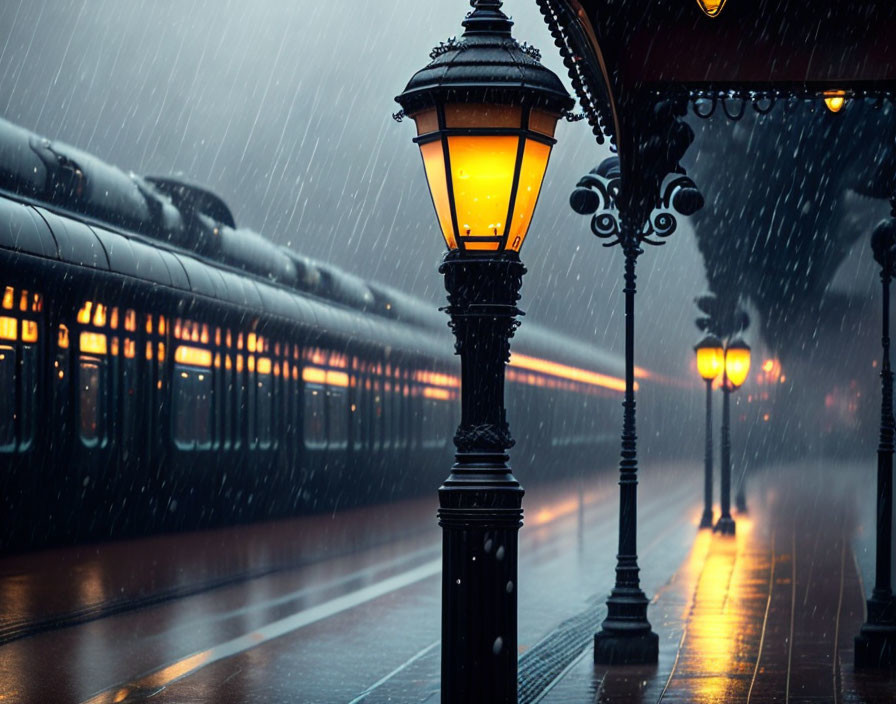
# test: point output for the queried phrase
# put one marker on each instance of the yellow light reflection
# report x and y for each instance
(264, 365)
(719, 616)
(8, 298)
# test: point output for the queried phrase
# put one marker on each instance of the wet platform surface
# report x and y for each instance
(345, 608)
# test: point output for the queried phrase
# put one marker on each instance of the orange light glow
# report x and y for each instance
(62, 337)
(29, 331)
(436, 393)
(130, 320)
(9, 328)
(8, 298)
(194, 356)
(252, 342)
(84, 313)
(114, 347)
(316, 375)
(99, 315)
(264, 365)
(565, 372)
(23, 301)
(711, 8)
(113, 319)
(834, 99)
(93, 343)
(130, 349)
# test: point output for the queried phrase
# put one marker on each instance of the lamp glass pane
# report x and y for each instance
(709, 362)
(471, 115)
(434, 163)
(711, 7)
(535, 162)
(482, 170)
(737, 365)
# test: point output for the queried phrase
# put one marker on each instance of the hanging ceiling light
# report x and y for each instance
(711, 7)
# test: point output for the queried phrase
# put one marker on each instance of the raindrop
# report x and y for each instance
(509, 587)
(500, 553)
(498, 645)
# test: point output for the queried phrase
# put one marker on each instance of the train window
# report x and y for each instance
(314, 420)
(91, 397)
(337, 411)
(264, 399)
(28, 397)
(192, 417)
(128, 401)
(377, 416)
(7, 399)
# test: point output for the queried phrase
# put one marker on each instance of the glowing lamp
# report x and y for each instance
(835, 99)
(711, 7)
(485, 110)
(710, 357)
(737, 363)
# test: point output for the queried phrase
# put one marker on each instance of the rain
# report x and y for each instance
(246, 540)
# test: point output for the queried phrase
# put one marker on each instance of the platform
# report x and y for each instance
(345, 608)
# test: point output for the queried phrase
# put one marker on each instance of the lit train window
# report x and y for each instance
(7, 399)
(314, 420)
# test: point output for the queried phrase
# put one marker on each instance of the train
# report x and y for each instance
(163, 369)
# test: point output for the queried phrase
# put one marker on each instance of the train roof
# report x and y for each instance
(61, 203)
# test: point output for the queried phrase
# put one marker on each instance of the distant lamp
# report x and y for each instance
(737, 363)
(711, 7)
(710, 357)
(835, 99)
(485, 111)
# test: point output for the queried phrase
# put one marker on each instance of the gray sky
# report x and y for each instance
(283, 107)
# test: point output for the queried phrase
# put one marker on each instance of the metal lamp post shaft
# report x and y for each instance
(883, 592)
(480, 504)
(726, 524)
(626, 636)
(706, 520)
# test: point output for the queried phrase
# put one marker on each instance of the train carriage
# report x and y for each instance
(162, 369)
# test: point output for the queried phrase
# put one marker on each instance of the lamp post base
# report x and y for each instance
(725, 526)
(707, 520)
(876, 643)
(626, 637)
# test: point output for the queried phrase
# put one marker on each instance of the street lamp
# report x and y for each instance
(875, 646)
(710, 360)
(737, 367)
(626, 636)
(485, 110)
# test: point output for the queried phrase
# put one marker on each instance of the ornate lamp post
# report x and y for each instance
(876, 642)
(710, 360)
(626, 636)
(485, 110)
(737, 367)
